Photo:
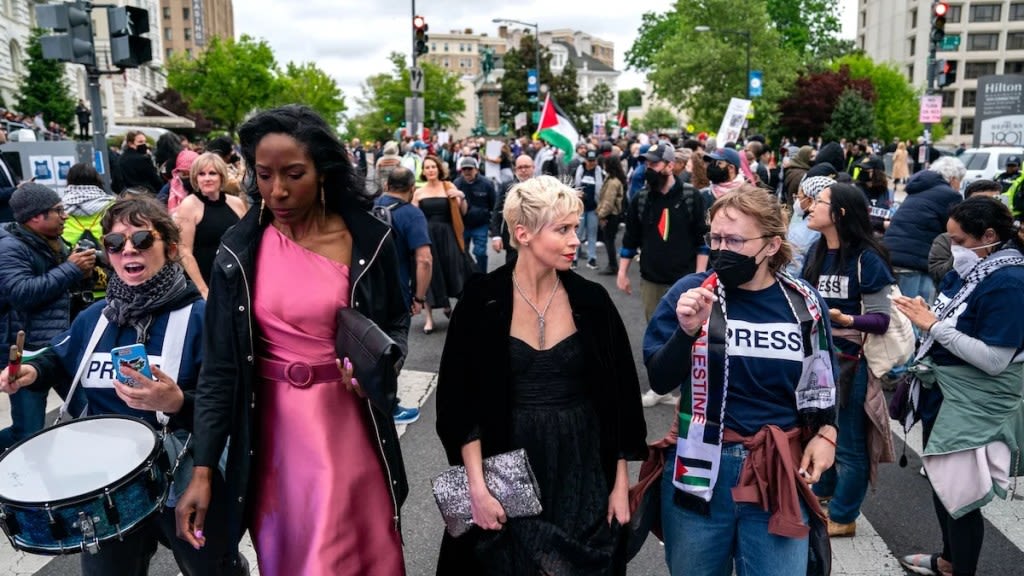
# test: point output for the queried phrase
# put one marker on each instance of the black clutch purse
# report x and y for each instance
(510, 480)
(374, 355)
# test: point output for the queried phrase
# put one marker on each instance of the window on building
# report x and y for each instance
(188, 33)
(913, 45)
(913, 18)
(433, 46)
(167, 12)
(1013, 67)
(445, 46)
(168, 53)
(985, 41)
(446, 63)
(967, 126)
(186, 13)
(986, 13)
(1015, 40)
(953, 16)
(978, 69)
(949, 99)
(15, 49)
(910, 72)
(970, 98)
(1017, 11)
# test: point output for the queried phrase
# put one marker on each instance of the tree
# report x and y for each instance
(630, 98)
(810, 27)
(384, 99)
(852, 119)
(171, 100)
(656, 118)
(227, 81)
(601, 100)
(566, 91)
(702, 71)
(808, 109)
(307, 84)
(896, 106)
(44, 89)
(517, 61)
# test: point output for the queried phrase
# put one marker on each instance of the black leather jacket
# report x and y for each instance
(226, 395)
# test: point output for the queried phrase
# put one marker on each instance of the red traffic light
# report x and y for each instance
(941, 9)
(419, 22)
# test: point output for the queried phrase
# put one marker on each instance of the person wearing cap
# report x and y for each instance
(39, 273)
(588, 180)
(636, 177)
(870, 177)
(481, 199)
(679, 165)
(800, 236)
(1012, 172)
(723, 170)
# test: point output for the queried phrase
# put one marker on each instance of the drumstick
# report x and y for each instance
(14, 358)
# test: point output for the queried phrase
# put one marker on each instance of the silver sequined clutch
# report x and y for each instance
(509, 478)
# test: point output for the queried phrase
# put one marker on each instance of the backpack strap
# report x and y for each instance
(94, 339)
(173, 348)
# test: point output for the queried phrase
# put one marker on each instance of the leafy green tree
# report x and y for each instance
(810, 27)
(656, 118)
(566, 92)
(852, 119)
(308, 84)
(601, 100)
(43, 89)
(896, 105)
(384, 99)
(630, 98)
(517, 61)
(228, 80)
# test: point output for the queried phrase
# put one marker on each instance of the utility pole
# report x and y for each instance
(937, 33)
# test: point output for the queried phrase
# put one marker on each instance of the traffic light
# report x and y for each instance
(419, 27)
(128, 48)
(939, 11)
(74, 22)
(945, 72)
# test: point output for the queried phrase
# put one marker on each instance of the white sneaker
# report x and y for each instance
(651, 399)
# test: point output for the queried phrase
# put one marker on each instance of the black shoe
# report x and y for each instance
(608, 271)
(575, 264)
(592, 264)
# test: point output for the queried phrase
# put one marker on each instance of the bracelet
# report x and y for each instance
(419, 300)
(827, 439)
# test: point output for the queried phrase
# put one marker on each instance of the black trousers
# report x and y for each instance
(610, 230)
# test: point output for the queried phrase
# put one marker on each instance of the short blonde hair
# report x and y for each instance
(765, 209)
(538, 202)
(204, 160)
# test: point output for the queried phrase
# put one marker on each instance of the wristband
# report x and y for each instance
(420, 301)
(827, 439)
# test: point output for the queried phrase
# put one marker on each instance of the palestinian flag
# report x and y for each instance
(557, 129)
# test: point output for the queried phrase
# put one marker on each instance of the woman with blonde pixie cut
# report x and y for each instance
(552, 373)
(204, 216)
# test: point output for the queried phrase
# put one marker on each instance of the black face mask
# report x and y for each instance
(734, 269)
(142, 148)
(864, 176)
(186, 183)
(655, 180)
(717, 174)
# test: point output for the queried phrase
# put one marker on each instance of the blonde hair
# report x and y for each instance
(208, 159)
(765, 209)
(538, 202)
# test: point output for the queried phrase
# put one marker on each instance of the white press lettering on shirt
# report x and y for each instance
(880, 212)
(775, 340)
(831, 286)
(588, 180)
(100, 371)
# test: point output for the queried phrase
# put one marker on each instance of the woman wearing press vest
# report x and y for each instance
(750, 347)
(851, 270)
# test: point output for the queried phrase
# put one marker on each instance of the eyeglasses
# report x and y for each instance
(58, 209)
(816, 201)
(115, 242)
(733, 243)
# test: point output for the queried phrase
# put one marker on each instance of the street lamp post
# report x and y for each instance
(536, 40)
(746, 34)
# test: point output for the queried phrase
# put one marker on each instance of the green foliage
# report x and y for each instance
(227, 81)
(601, 100)
(852, 119)
(809, 27)
(308, 84)
(656, 118)
(43, 88)
(384, 99)
(630, 98)
(517, 61)
(566, 92)
(655, 30)
(896, 105)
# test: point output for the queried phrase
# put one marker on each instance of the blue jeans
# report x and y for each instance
(28, 415)
(697, 545)
(913, 284)
(479, 237)
(847, 481)
(588, 232)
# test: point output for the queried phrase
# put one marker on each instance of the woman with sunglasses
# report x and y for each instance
(148, 285)
(314, 466)
(851, 270)
(204, 216)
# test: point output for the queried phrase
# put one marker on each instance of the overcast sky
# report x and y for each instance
(351, 39)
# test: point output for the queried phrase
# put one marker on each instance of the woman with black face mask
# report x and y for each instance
(751, 346)
(851, 270)
(874, 183)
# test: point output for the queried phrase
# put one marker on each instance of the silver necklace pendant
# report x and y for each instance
(540, 314)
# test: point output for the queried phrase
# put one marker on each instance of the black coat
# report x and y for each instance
(921, 218)
(474, 391)
(138, 170)
(226, 395)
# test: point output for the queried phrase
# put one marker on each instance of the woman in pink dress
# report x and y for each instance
(314, 467)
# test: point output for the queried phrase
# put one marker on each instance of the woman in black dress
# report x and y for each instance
(551, 372)
(435, 199)
(204, 216)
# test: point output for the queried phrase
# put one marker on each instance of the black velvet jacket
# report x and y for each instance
(474, 392)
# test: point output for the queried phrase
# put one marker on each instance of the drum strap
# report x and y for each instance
(174, 336)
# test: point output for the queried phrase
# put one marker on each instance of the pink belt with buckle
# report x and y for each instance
(299, 374)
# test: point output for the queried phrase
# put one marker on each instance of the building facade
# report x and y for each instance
(991, 42)
(461, 51)
(187, 25)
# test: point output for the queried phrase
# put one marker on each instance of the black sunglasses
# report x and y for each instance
(141, 240)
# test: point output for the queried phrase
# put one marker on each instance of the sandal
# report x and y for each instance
(924, 564)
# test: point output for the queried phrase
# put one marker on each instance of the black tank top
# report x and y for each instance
(217, 218)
